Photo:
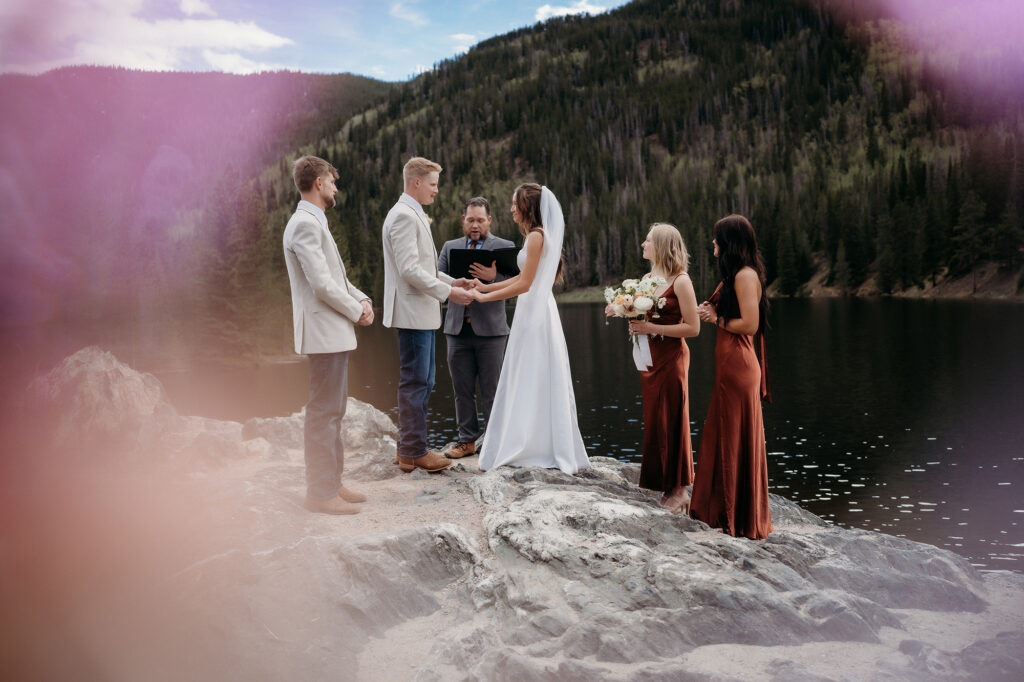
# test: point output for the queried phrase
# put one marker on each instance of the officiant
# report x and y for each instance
(475, 333)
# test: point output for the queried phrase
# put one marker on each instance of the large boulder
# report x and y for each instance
(92, 403)
(364, 428)
(594, 573)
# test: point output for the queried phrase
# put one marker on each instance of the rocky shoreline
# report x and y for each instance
(513, 574)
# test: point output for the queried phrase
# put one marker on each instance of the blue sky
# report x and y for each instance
(386, 39)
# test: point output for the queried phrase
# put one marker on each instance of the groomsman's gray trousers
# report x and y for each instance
(472, 357)
(325, 451)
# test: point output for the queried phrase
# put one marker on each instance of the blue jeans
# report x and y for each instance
(325, 450)
(415, 382)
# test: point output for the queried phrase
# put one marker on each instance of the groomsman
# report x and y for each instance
(413, 291)
(475, 334)
(325, 306)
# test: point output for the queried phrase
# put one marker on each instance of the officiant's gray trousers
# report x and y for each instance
(472, 357)
(325, 451)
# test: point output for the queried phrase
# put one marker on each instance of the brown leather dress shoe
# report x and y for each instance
(335, 505)
(350, 495)
(460, 450)
(432, 461)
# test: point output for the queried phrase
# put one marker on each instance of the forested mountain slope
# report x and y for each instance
(829, 135)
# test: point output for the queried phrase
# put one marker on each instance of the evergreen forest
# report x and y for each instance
(845, 149)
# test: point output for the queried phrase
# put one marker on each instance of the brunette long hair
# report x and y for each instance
(526, 197)
(737, 248)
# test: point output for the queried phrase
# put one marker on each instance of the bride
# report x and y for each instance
(533, 420)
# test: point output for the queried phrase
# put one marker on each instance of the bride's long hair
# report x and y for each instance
(526, 198)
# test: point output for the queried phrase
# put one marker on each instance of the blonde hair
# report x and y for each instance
(418, 167)
(669, 255)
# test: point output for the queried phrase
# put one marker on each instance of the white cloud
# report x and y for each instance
(232, 62)
(578, 7)
(461, 42)
(193, 7)
(403, 11)
(115, 33)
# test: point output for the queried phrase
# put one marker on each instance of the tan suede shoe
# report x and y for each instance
(350, 495)
(335, 505)
(460, 450)
(432, 461)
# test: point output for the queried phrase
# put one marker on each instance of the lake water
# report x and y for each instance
(903, 416)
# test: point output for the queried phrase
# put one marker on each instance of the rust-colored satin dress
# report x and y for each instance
(731, 488)
(668, 454)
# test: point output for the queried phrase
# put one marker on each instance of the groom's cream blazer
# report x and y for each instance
(413, 287)
(325, 305)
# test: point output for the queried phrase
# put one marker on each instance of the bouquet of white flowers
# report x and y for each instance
(636, 298)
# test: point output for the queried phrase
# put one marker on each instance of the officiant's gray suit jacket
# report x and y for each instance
(489, 319)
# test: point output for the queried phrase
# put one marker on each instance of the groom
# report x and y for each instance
(413, 291)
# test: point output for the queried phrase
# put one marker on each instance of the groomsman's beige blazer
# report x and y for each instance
(325, 305)
(413, 287)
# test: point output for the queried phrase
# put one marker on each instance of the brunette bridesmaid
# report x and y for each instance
(731, 490)
(667, 463)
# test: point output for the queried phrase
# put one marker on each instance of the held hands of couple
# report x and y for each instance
(465, 283)
(462, 292)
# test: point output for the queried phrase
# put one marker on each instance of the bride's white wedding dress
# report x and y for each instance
(533, 421)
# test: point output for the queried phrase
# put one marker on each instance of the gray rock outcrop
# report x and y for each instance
(527, 574)
(94, 405)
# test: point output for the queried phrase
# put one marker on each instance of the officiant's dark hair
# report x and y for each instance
(478, 201)
(308, 168)
(527, 200)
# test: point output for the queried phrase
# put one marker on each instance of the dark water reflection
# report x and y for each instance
(893, 415)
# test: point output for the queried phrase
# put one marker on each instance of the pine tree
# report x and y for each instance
(968, 244)
(841, 277)
(1010, 236)
(787, 259)
(887, 273)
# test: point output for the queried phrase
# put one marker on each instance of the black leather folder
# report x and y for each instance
(459, 261)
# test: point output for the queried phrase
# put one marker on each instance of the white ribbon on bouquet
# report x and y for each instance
(642, 353)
